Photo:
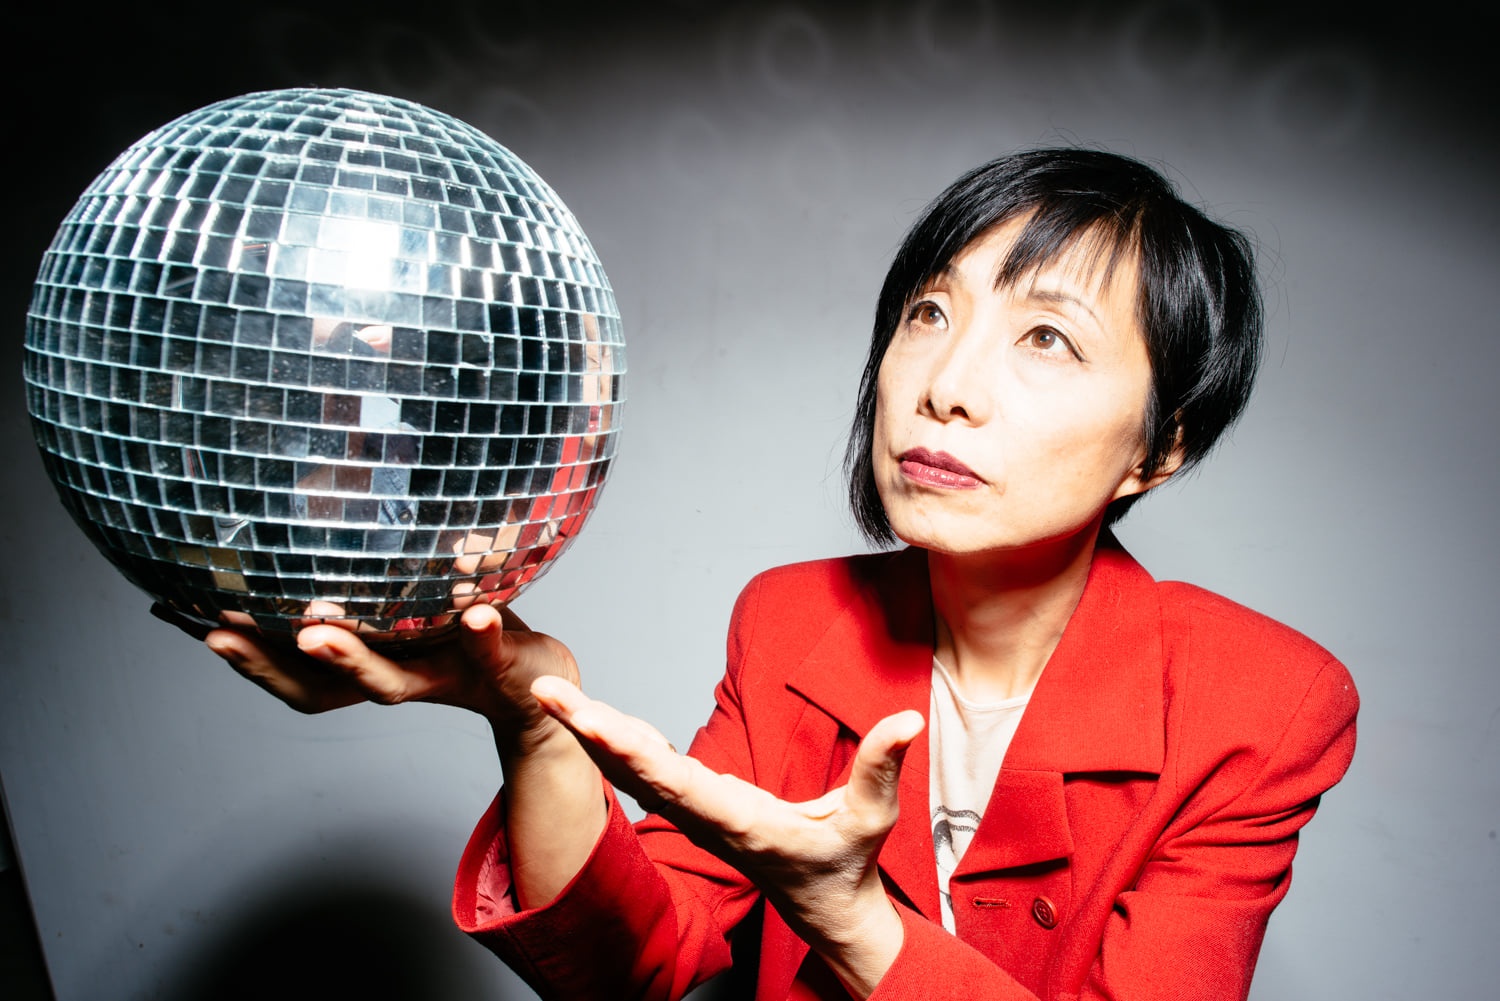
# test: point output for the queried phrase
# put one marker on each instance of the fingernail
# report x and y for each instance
(549, 706)
(475, 621)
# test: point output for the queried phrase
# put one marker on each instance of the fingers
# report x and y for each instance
(559, 697)
(194, 629)
(321, 612)
(635, 756)
(340, 653)
(328, 667)
(479, 634)
(721, 813)
(635, 742)
(294, 679)
(197, 628)
(490, 641)
(876, 773)
(485, 667)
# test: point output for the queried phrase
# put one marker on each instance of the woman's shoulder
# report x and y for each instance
(816, 588)
(1221, 622)
(837, 575)
(1216, 645)
(798, 602)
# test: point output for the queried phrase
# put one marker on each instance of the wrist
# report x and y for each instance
(556, 806)
(536, 743)
(861, 944)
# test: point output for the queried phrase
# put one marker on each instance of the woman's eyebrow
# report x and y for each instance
(1059, 296)
(942, 276)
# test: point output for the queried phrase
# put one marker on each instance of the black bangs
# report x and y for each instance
(1054, 231)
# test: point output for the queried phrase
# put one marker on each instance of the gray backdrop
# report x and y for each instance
(745, 171)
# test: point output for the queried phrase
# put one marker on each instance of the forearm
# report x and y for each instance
(555, 811)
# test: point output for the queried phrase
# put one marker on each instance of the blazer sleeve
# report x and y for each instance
(649, 915)
(1189, 927)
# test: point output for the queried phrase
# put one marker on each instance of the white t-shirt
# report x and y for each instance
(967, 742)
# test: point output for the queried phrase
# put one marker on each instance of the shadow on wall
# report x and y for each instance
(347, 936)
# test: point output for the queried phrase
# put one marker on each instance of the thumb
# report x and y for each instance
(876, 772)
(482, 636)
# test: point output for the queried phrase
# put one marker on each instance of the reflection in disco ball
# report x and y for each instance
(324, 344)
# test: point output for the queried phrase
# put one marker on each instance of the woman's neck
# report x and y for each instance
(1000, 616)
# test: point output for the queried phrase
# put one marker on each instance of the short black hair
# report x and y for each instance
(1199, 301)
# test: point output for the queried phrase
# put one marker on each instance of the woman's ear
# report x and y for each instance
(1139, 480)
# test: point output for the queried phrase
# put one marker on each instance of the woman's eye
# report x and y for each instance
(925, 313)
(1049, 340)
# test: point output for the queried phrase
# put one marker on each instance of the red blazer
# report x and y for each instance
(1140, 833)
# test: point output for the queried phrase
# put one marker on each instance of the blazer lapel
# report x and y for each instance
(1098, 707)
(876, 660)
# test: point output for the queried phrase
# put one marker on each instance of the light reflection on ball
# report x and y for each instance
(324, 345)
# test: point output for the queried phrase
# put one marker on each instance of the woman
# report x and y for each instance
(1113, 772)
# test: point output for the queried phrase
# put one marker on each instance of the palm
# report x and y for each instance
(813, 860)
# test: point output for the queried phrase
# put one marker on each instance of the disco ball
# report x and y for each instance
(324, 345)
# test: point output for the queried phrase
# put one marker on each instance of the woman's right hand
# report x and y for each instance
(488, 668)
(554, 807)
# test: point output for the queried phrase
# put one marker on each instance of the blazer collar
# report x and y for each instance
(1097, 707)
(874, 660)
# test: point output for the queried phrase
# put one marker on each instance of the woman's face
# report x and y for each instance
(1011, 416)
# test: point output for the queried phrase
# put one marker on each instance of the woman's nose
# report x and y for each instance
(961, 383)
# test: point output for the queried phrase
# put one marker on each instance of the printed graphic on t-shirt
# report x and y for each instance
(952, 831)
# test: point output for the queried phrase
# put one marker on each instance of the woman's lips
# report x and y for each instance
(937, 469)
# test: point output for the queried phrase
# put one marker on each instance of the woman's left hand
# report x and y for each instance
(815, 861)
